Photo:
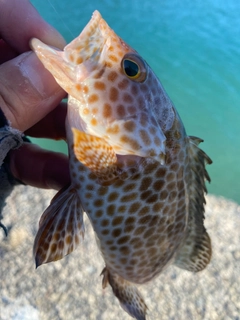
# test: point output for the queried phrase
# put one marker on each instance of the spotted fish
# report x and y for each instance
(135, 173)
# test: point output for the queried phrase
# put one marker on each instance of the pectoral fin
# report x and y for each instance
(61, 227)
(96, 154)
(128, 295)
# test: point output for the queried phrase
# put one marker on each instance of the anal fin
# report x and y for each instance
(61, 227)
(128, 295)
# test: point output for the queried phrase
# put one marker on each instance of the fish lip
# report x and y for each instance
(96, 36)
(93, 24)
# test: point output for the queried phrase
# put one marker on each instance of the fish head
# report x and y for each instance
(113, 93)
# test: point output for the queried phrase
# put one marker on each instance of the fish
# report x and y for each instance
(135, 173)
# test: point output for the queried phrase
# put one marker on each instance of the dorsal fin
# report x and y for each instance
(195, 252)
(198, 161)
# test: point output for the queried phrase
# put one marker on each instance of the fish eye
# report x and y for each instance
(134, 67)
(131, 68)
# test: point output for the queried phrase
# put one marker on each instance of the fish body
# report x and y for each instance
(134, 171)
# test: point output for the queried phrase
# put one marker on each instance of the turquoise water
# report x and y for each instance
(194, 48)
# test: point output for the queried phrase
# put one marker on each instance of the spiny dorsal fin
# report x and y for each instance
(195, 252)
(61, 227)
(128, 295)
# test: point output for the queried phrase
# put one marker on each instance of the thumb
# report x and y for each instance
(27, 91)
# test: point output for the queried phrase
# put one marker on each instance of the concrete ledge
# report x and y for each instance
(71, 288)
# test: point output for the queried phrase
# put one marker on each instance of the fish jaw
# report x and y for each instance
(53, 60)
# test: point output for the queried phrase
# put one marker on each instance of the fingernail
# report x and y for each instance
(40, 78)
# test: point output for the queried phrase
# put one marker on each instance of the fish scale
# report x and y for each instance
(137, 198)
(134, 171)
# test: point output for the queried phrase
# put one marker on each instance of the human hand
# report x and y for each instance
(29, 96)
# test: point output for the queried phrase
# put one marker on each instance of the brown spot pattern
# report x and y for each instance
(99, 85)
(93, 98)
(113, 94)
(107, 110)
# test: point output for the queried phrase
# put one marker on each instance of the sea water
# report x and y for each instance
(194, 48)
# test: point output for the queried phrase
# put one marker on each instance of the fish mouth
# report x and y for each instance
(80, 57)
(91, 41)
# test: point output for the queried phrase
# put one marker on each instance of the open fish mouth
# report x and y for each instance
(80, 57)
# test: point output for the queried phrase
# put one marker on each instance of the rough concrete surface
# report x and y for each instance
(71, 288)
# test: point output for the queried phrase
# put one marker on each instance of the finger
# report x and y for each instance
(39, 168)
(52, 126)
(6, 52)
(28, 92)
(20, 21)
